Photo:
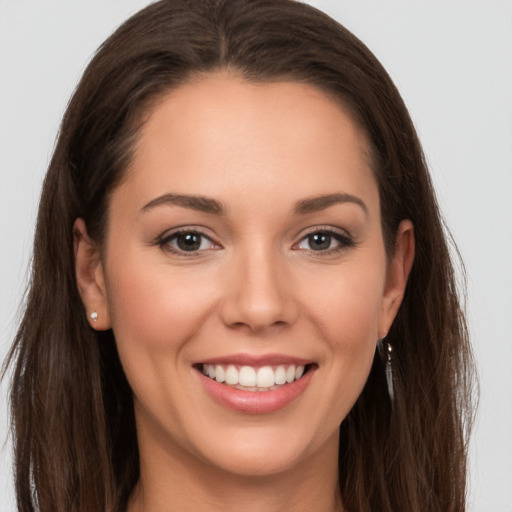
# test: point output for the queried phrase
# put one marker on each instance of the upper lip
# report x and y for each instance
(256, 360)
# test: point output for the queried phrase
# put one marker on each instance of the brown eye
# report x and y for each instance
(319, 241)
(187, 242)
(325, 241)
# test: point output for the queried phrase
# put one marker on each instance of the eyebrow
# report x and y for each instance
(318, 203)
(200, 203)
(215, 207)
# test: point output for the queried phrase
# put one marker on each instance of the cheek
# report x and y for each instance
(341, 306)
(155, 310)
(348, 308)
(148, 298)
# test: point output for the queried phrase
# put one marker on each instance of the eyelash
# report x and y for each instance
(164, 242)
(345, 241)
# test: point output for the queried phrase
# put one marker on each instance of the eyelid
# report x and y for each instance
(323, 229)
(345, 239)
(164, 239)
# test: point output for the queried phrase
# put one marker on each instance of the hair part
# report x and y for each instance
(72, 409)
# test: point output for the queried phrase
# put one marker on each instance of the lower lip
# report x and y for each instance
(256, 402)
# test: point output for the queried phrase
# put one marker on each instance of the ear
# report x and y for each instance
(397, 274)
(90, 278)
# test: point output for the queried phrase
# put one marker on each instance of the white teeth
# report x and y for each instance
(265, 377)
(259, 379)
(280, 375)
(231, 375)
(220, 374)
(247, 376)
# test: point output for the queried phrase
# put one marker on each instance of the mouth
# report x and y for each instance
(254, 378)
(255, 384)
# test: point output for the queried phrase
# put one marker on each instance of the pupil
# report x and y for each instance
(320, 241)
(189, 242)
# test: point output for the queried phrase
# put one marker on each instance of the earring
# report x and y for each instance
(386, 355)
(94, 316)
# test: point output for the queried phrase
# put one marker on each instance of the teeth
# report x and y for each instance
(258, 379)
(247, 376)
(220, 374)
(265, 377)
(280, 375)
(231, 375)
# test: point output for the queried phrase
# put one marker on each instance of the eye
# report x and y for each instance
(325, 241)
(187, 242)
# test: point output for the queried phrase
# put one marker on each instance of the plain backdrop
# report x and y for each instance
(452, 62)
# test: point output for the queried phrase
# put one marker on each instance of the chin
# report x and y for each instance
(260, 452)
(258, 461)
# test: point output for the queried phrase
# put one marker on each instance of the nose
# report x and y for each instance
(258, 293)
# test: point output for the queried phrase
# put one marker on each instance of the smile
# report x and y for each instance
(249, 378)
(255, 384)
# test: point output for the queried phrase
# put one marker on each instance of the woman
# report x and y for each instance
(236, 218)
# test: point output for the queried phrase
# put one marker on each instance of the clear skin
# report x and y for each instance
(256, 283)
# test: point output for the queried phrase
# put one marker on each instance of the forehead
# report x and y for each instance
(223, 136)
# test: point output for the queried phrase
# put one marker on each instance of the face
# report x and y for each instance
(245, 244)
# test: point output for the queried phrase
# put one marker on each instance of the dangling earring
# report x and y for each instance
(386, 355)
(94, 316)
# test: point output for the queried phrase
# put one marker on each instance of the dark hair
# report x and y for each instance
(72, 410)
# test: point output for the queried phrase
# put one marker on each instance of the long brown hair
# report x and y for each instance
(72, 411)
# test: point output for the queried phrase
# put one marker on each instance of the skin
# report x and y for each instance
(256, 286)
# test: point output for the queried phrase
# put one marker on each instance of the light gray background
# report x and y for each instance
(452, 61)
